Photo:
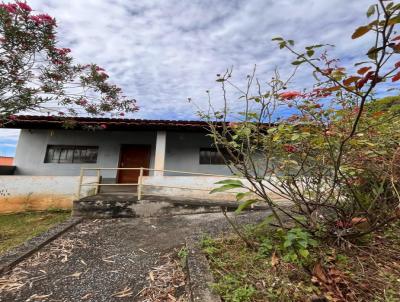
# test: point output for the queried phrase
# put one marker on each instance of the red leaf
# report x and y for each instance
(396, 38)
(350, 80)
(333, 88)
(363, 70)
(396, 77)
(361, 83)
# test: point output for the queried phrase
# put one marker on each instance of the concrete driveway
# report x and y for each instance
(98, 258)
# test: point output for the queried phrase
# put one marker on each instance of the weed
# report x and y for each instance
(233, 290)
(208, 245)
(183, 254)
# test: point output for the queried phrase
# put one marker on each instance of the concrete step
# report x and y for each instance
(127, 205)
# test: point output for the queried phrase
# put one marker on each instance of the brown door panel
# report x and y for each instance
(133, 156)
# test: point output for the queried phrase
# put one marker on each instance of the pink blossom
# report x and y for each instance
(43, 19)
(289, 95)
(81, 102)
(57, 62)
(24, 6)
(103, 126)
(62, 51)
(122, 114)
(11, 8)
(104, 75)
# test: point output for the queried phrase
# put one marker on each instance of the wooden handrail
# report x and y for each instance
(140, 182)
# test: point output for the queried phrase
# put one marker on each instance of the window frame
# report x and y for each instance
(67, 154)
(214, 162)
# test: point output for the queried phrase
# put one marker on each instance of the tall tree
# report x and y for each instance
(35, 74)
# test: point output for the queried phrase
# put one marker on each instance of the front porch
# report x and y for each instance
(158, 195)
(118, 205)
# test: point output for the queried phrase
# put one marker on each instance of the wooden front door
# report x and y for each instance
(133, 156)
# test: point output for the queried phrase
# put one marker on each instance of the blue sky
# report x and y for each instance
(162, 52)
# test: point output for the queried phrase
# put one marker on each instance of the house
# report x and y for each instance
(6, 160)
(6, 165)
(177, 157)
(47, 146)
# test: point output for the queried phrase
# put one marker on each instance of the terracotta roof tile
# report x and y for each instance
(54, 122)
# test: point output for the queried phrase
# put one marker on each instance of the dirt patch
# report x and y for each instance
(34, 202)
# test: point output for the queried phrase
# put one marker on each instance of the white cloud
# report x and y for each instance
(9, 135)
(8, 141)
(7, 145)
(162, 52)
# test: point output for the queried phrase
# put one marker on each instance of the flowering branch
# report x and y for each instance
(35, 74)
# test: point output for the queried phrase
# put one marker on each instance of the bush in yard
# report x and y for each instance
(336, 157)
(36, 74)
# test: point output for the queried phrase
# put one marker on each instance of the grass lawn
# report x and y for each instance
(366, 271)
(17, 228)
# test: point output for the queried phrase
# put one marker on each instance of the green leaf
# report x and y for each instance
(240, 196)
(229, 182)
(361, 63)
(277, 39)
(303, 243)
(396, 7)
(310, 53)
(225, 188)
(245, 205)
(266, 221)
(373, 53)
(394, 20)
(295, 136)
(304, 253)
(287, 243)
(371, 10)
(291, 42)
(362, 30)
(312, 242)
(298, 62)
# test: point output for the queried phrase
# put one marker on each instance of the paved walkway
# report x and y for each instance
(98, 258)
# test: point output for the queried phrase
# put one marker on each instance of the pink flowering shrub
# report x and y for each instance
(53, 80)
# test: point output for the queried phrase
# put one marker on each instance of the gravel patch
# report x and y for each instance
(107, 260)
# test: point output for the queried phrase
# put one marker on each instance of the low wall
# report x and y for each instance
(189, 187)
(24, 193)
(7, 170)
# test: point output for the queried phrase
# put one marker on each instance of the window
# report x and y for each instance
(63, 154)
(211, 156)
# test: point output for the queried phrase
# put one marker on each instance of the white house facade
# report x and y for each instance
(176, 157)
(46, 147)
